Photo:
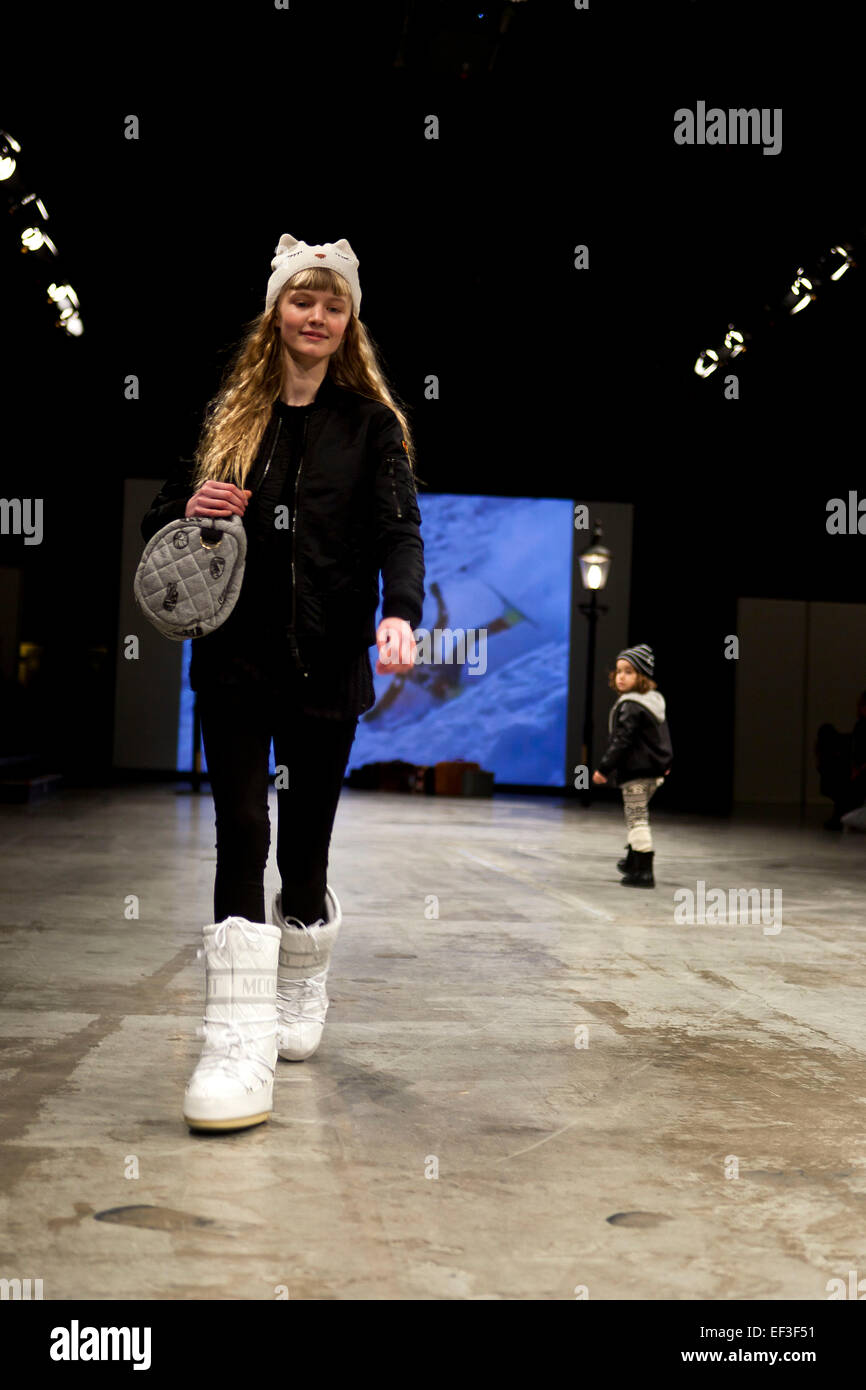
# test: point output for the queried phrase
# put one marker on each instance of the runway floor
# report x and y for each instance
(552, 1089)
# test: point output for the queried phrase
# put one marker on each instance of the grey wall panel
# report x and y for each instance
(835, 677)
(801, 665)
(769, 722)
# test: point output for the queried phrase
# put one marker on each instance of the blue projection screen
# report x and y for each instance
(491, 682)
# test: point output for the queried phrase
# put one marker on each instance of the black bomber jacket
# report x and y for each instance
(356, 516)
(640, 740)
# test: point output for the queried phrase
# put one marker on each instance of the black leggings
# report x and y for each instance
(237, 724)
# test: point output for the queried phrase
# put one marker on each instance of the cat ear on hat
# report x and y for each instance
(285, 243)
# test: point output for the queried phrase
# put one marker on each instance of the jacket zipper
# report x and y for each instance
(273, 447)
(293, 641)
(394, 489)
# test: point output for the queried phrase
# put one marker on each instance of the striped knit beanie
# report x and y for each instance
(641, 658)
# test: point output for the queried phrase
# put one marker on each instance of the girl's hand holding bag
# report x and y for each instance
(190, 573)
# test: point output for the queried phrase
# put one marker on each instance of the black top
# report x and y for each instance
(251, 647)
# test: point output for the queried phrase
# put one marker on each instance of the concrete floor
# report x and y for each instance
(708, 1049)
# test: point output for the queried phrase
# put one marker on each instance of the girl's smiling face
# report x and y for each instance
(626, 675)
(312, 323)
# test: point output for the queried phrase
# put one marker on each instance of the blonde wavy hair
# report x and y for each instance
(237, 416)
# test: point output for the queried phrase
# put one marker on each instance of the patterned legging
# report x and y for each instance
(635, 803)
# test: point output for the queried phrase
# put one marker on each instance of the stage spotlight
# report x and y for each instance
(830, 265)
(836, 262)
(8, 150)
(33, 239)
(735, 341)
(707, 363)
(26, 213)
(28, 216)
(64, 297)
(801, 293)
(711, 358)
(66, 300)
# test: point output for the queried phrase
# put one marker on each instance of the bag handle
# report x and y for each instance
(209, 534)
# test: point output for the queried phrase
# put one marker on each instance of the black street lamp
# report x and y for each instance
(594, 567)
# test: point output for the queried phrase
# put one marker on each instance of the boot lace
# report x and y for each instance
(230, 1046)
(298, 1000)
(230, 1049)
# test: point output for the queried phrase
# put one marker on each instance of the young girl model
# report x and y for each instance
(639, 755)
(306, 444)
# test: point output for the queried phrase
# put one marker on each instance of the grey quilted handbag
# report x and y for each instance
(190, 573)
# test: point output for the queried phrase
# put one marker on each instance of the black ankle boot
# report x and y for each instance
(641, 873)
(625, 865)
